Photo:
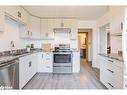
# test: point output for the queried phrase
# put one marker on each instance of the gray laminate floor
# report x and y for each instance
(88, 78)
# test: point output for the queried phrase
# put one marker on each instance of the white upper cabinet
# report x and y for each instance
(74, 29)
(17, 13)
(24, 31)
(12, 11)
(2, 19)
(117, 16)
(62, 23)
(35, 27)
(52, 23)
(44, 28)
(67, 23)
(25, 17)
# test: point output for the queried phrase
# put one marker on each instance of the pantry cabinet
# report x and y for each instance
(111, 73)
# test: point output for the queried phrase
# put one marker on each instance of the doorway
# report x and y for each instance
(85, 45)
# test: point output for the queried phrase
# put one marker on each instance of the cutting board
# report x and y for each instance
(46, 47)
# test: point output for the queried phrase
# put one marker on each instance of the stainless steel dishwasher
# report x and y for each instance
(9, 75)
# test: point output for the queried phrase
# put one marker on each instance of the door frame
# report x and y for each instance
(86, 52)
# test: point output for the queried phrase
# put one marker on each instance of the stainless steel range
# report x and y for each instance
(62, 59)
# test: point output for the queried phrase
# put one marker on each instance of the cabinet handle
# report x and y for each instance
(30, 64)
(110, 85)
(62, 24)
(110, 60)
(42, 55)
(47, 66)
(28, 33)
(126, 85)
(47, 58)
(110, 71)
(72, 55)
(19, 14)
(31, 33)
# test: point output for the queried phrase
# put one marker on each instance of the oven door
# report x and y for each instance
(62, 59)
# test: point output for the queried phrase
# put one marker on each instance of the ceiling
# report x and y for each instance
(80, 12)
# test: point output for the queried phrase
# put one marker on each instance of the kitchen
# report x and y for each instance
(52, 47)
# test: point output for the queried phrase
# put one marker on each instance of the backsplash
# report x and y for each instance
(11, 33)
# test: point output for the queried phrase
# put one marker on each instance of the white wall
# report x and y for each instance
(117, 15)
(90, 24)
(11, 33)
(114, 17)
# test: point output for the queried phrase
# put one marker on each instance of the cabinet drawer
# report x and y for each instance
(62, 69)
(110, 82)
(47, 61)
(115, 62)
(47, 68)
(113, 71)
(47, 54)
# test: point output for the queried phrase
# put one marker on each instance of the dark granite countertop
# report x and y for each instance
(6, 58)
(113, 56)
(9, 57)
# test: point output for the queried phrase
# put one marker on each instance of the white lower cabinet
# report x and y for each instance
(111, 73)
(76, 61)
(27, 68)
(46, 62)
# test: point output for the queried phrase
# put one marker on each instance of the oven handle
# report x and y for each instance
(62, 66)
(62, 53)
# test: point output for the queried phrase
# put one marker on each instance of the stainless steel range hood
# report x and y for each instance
(61, 30)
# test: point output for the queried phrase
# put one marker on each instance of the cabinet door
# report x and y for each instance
(23, 71)
(52, 23)
(67, 23)
(74, 29)
(44, 28)
(24, 16)
(40, 62)
(12, 11)
(34, 61)
(45, 63)
(24, 31)
(2, 19)
(34, 27)
(76, 62)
